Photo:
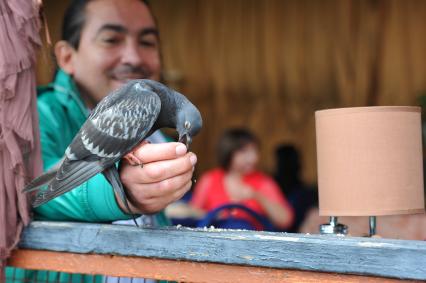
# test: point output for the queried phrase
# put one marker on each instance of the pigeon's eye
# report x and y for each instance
(187, 125)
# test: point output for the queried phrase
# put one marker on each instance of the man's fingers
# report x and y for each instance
(157, 202)
(167, 187)
(159, 151)
(182, 191)
(162, 170)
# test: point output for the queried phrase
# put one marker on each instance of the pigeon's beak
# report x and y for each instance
(186, 139)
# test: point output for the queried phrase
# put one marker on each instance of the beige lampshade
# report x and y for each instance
(370, 161)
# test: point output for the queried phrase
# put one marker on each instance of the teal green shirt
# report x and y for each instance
(62, 113)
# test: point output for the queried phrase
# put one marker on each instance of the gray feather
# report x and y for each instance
(40, 181)
(43, 179)
(76, 173)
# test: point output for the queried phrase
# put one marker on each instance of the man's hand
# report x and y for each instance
(164, 178)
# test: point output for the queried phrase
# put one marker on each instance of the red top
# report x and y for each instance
(210, 193)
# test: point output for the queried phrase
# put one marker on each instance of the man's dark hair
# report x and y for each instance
(231, 141)
(74, 19)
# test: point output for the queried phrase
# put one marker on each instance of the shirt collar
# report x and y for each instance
(65, 85)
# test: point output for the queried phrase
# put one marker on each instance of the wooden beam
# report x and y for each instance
(347, 255)
(182, 271)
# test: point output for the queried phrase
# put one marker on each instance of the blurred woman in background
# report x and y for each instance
(237, 181)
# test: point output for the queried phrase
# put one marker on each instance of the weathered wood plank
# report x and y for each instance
(182, 271)
(364, 256)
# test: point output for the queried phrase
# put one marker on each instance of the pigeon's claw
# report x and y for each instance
(132, 159)
(185, 139)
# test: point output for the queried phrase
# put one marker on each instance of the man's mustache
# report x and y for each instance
(125, 71)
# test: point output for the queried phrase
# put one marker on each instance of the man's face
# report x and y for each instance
(119, 41)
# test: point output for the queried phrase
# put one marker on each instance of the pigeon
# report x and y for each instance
(116, 126)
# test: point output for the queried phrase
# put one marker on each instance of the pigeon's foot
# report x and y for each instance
(131, 157)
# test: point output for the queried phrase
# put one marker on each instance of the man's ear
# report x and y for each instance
(65, 53)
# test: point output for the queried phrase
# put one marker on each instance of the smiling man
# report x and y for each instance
(119, 41)
(104, 44)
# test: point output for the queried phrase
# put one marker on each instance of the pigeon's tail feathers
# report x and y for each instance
(43, 179)
(111, 174)
(40, 181)
(70, 175)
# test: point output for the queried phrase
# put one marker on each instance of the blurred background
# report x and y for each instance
(269, 65)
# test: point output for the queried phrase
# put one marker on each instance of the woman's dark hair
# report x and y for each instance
(231, 141)
(74, 19)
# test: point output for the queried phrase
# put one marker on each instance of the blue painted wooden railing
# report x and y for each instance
(388, 258)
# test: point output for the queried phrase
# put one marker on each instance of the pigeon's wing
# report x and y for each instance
(112, 133)
(129, 89)
(103, 140)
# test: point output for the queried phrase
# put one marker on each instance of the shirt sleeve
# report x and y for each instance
(270, 189)
(92, 201)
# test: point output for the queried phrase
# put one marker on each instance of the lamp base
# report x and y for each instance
(373, 225)
(333, 227)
